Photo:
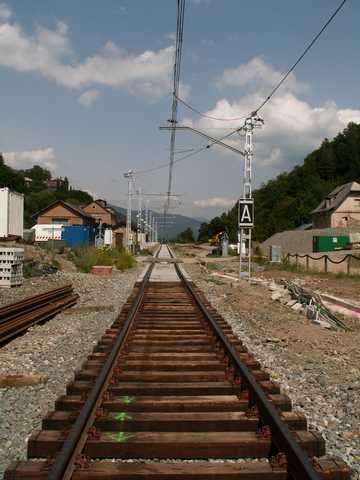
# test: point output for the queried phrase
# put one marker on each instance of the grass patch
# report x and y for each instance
(211, 266)
(86, 257)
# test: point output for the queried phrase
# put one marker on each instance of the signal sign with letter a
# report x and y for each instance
(246, 213)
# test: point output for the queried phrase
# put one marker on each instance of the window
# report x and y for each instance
(60, 221)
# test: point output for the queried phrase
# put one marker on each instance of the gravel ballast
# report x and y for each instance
(53, 350)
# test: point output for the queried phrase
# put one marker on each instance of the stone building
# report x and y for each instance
(341, 208)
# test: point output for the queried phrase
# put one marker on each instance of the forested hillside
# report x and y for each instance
(37, 194)
(285, 202)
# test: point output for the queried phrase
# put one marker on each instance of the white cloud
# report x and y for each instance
(184, 91)
(5, 12)
(293, 126)
(88, 98)
(49, 53)
(257, 73)
(215, 202)
(171, 37)
(43, 157)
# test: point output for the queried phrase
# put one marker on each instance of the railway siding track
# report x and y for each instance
(168, 382)
(19, 316)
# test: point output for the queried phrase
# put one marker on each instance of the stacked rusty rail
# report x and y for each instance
(170, 381)
(19, 316)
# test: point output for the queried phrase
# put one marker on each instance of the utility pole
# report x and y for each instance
(246, 202)
(138, 228)
(146, 219)
(246, 210)
(153, 229)
(150, 226)
(175, 93)
(129, 176)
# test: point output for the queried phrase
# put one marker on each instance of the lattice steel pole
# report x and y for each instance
(146, 219)
(139, 219)
(129, 177)
(150, 226)
(245, 232)
(153, 229)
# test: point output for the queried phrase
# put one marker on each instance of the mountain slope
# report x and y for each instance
(178, 224)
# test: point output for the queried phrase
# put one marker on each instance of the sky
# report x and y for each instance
(85, 85)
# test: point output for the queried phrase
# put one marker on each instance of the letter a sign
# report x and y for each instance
(246, 213)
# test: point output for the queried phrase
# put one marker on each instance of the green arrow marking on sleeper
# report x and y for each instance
(119, 437)
(127, 400)
(122, 416)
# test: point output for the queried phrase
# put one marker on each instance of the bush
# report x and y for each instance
(144, 252)
(86, 257)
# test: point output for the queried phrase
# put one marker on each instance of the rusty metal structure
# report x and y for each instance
(19, 316)
(170, 381)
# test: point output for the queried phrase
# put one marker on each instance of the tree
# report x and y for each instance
(39, 177)
(37, 196)
(203, 235)
(11, 178)
(186, 236)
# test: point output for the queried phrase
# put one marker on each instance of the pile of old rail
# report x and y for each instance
(19, 316)
(169, 382)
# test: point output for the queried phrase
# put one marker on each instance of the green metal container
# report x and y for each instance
(330, 244)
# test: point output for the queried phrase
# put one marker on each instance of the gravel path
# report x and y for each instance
(317, 368)
(54, 349)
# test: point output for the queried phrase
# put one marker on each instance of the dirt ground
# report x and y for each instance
(343, 287)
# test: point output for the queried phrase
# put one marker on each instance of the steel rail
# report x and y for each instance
(26, 320)
(299, 465)
(29, 304)
(64, 464)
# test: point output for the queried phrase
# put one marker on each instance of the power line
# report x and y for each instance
(278, 85)
(164, 165)
(205, 115)
(185, 157)
(310, 45)
(238, 130)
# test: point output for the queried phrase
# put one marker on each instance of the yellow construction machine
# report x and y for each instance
(215, 240)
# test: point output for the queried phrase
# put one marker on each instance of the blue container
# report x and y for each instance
(78, 235)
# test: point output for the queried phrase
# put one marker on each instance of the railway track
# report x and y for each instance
(170, 393)
(19, 316)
